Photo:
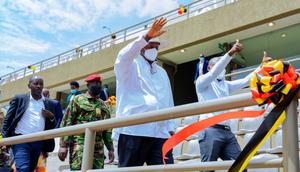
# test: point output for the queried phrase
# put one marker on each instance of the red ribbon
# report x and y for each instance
(198, 126)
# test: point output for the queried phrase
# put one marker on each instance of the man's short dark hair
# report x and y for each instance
(74, 83)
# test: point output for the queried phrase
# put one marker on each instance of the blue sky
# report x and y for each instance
(34, 30)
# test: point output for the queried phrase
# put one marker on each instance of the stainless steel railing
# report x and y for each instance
(295, 61)
(193, 9)
(290, 161)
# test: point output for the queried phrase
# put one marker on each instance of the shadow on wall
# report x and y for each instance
(184, 88)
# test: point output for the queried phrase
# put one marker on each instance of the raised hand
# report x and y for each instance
(266, 58)
(236, 48)
(156, 29)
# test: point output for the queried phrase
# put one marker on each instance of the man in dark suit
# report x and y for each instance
(30, 113)
(57, 107)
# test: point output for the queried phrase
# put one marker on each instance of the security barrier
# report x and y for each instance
(289, 162)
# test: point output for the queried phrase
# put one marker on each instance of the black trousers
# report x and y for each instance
(136, 150)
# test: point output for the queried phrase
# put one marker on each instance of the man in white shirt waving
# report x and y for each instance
(218, 140)
(142, 86)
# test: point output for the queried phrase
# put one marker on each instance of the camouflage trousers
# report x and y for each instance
(4, 158)
(76, 154)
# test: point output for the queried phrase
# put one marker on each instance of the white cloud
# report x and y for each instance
(16, 37)
(156, 7)
(22, 44)
(22, 22)
(12, 63)
(12, 28)
(28, 7)
(65, 15)
(41, 26)
(126, 7)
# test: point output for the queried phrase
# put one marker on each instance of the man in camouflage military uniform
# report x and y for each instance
(82, 109)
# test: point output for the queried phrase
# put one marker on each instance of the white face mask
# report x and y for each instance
(222, 75)
(151, 54)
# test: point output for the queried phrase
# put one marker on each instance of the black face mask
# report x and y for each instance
(95, 90)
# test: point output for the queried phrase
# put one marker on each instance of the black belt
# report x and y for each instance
(223, 127)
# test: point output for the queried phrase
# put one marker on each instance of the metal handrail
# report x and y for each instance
(252, 68)
(230, 102)
(290, 149)
(105, 42)
(195, 166)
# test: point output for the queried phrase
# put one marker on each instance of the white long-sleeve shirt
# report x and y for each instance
(208, 87)
(139, 90)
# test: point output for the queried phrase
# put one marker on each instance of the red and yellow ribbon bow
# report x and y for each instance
(275, 82)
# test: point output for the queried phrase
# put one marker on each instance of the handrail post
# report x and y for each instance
(41, 66)
(290, 139)
(58, 60)
(15, 78)
(24, 74)
(100, 44)
(125, 35)
(88, 150)
(188, 11)
(10, 77)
